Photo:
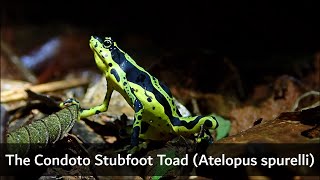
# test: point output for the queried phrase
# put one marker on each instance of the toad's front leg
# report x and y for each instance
(138, 108)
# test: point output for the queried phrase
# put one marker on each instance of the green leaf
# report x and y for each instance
(224, 127)
(162, 170)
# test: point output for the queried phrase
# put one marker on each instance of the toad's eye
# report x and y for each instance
(107, 43)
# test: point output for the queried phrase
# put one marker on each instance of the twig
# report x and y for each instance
(20, 94)
(309, 93)
(28, 75)
(196, 109)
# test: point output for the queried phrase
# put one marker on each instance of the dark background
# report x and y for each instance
(259, 37)
(244, 27)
